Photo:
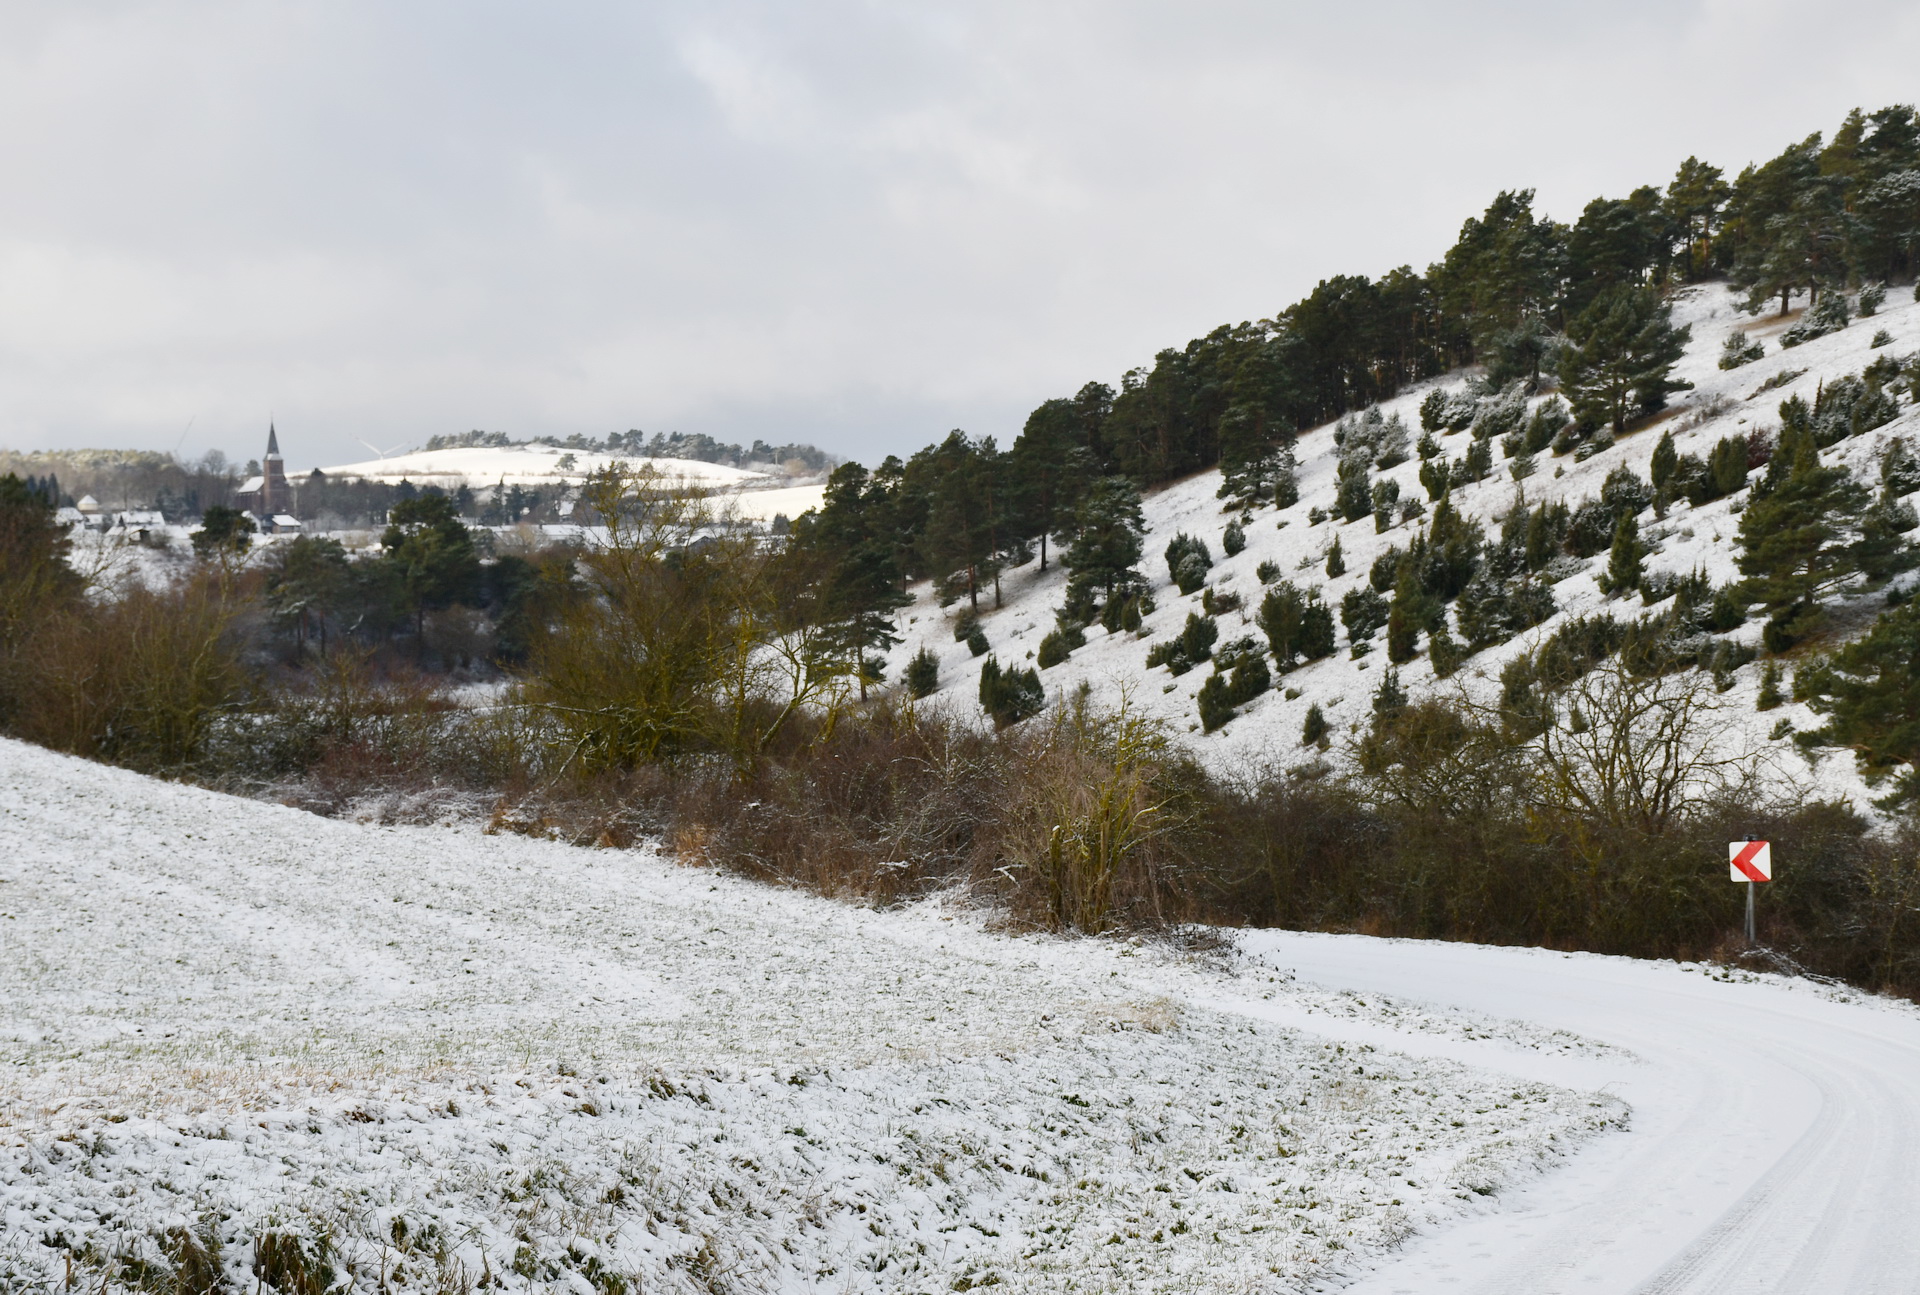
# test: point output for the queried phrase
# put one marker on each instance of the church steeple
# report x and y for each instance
(276, 493)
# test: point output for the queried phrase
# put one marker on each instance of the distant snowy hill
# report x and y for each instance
(1268, 732)
(760, 495)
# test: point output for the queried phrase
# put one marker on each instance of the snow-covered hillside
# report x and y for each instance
(527, 465)
(756, 495)
(1268, 732)
(460, 1057)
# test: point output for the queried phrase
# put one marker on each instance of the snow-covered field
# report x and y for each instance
(1267, 733)
(458, 1057)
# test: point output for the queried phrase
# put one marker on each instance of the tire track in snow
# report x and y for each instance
(1772, 1147)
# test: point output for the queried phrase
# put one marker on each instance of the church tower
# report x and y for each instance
(276, 496)
(270, 494)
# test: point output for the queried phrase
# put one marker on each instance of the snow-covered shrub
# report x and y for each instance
(1234, 539)
(1625, 492)
(1872, 297)
(1386, 493)
(1899, 469)
(1363, 611)
(1844, 407)
(1188, 562)
(1829, 315)
(1738, 350)
(1391, 449)
(1501, 414)
(1449, 411)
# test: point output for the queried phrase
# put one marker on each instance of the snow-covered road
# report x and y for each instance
(1774, 1143)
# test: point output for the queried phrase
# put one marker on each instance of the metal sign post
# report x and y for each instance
(1751, 862)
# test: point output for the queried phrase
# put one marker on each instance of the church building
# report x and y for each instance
(269, 496)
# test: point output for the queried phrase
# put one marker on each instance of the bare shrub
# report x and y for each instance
(1093, 809)
(685, 644)
(137, 680)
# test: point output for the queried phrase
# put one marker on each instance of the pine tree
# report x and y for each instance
(1620, 357)
(1353, 497)
(1255, 458)
(1871, 696)
(1188, 562)
(228, 530)
(923, 674)
(1694, 201)
(1389, 698)
(1626, 563)
(958, 538)
(1797, 539)
(1052, 467)
(1105, 553)
(1506, 265)
(1336, 559)
(1386, 493)
(431, 554)
(1665, 460)
(849, 559)
(1215, 707)
(1010, 695)
(35, 576)
(1314, 731)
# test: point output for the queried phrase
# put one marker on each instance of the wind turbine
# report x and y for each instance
(377, 450)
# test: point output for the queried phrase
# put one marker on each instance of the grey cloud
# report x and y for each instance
(859, 223)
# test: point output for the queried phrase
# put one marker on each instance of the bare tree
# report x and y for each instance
(1640, 752)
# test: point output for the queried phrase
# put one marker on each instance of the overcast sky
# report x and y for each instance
(858, 224)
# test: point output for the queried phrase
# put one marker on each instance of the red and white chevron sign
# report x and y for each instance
(1750, 860)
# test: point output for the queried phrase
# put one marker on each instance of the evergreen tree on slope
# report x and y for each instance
(1798, 537)
(1620, 357)
(1105, 553)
